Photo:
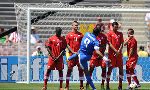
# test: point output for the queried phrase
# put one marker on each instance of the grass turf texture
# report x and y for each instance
(73, 86)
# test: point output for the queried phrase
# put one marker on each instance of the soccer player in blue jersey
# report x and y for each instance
(89, 43)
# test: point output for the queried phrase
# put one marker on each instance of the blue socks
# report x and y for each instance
(89, 80)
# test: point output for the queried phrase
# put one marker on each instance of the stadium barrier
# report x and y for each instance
(9, 71)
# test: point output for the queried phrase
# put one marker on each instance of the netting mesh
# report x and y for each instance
(45, 22)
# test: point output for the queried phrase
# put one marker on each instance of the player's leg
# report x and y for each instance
(88, 77)
(69, 71)
(81, 76)
(91, 71)
(103, 77)
(61, 79)
(108, 77)
(128, 74)
(134, 77)
(48, 71)
(84, 65)
(120, 77)
(50, 66)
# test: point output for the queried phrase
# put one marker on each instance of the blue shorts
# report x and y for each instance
(83, 60)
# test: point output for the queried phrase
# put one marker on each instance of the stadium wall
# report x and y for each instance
(9, 70)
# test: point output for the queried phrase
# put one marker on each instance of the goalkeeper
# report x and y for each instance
(56, 46)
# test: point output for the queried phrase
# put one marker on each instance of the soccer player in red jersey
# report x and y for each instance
(73, 39)
(132, 58)
(96, 60)
(56, 46)
(116, 39)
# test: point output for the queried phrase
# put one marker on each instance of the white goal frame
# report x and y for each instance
(91, 9)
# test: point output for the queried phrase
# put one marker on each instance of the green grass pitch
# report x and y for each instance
(51, 86)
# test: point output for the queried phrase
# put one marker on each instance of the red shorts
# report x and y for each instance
(97, 62)
(55, 65)
(131, 63)
(73, 63)
(116, 61)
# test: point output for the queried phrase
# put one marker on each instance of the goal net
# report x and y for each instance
(45, 17)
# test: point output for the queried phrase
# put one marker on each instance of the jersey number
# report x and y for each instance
(86, 42)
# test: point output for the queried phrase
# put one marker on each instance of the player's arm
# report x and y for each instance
(100, 54)
(49, 50)
(122, 43)
(131, 52)
(112, 47)
(126, 42)
(63, 49)
(120, 48)
(61, 53)
(69, 48)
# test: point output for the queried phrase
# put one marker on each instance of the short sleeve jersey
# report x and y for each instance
(74, 40)
(102, 38)
(88, 43)
(116, 39)
(56, 44)
(132, 43)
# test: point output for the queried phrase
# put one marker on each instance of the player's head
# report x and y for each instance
(58, 31)
(99, 26)
(75, 25)
(96, 31)
(115, 26)
(33, 30)
(130, 32)
(1, 30)
(38, 48)
(111, 21)
(99, 19)
(141, 48)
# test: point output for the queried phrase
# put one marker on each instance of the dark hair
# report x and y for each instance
(131, 31)
(2, 29)
(96, 31)
(115, 23)
(58, 29)
(141, 48)
(76, 22)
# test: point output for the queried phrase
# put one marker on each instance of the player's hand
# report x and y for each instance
(109, 65)
(67, 60)
(105, 59)
(53, 58)
(98, 57)
(117, 53)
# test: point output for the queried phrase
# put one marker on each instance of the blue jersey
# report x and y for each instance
(88, 44)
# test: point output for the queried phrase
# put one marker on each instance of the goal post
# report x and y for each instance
(63, 18)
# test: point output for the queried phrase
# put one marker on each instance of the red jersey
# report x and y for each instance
(132, 43)
(102, 38)
(56, 44)
(74, 40)
(116, 39)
